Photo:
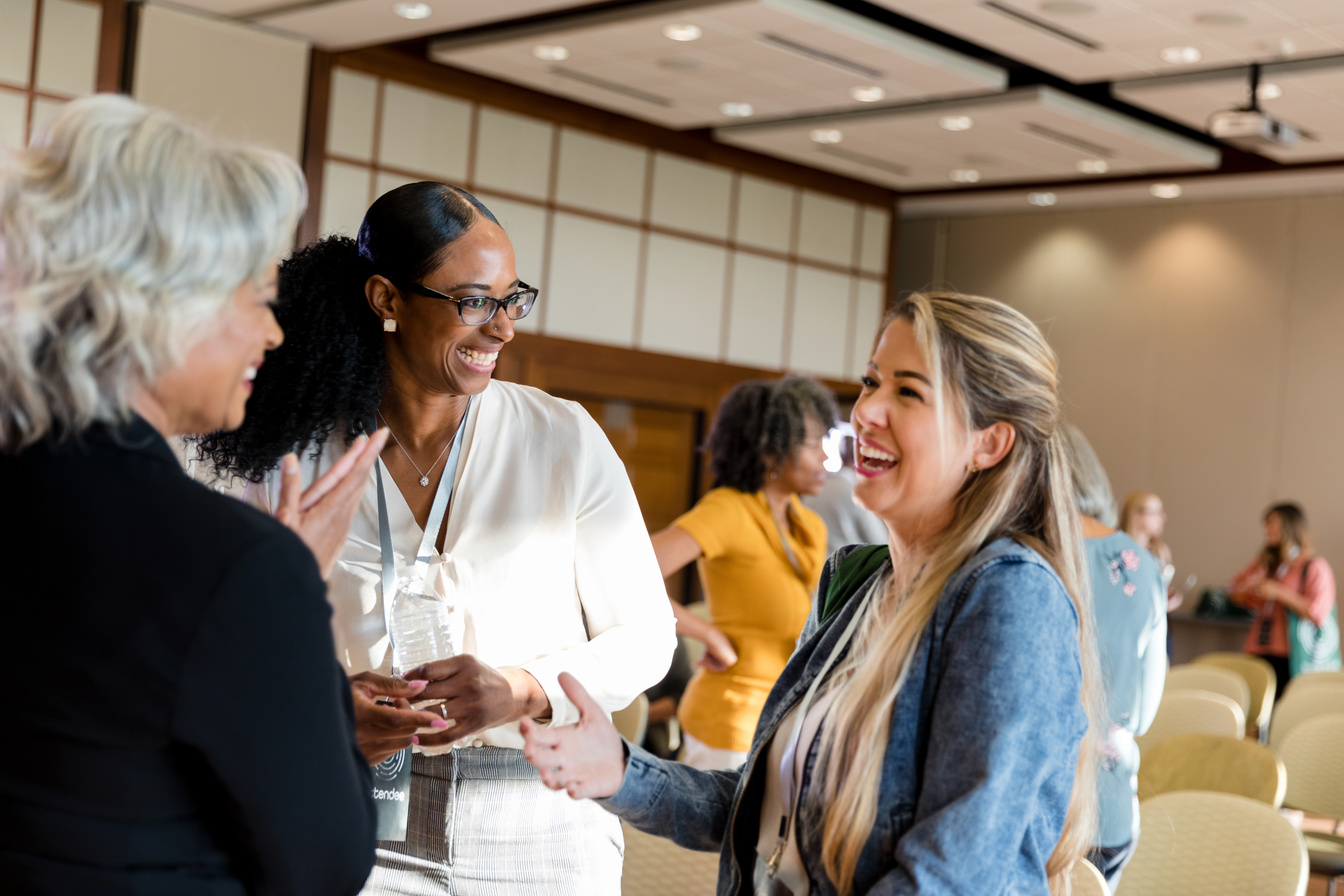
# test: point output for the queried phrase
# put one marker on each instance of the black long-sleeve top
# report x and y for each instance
(175, 721)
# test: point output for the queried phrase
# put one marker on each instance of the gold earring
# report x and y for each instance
(973, 468)
(390, 325)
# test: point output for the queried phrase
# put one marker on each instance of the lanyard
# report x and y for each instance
(437, 511)
(788, 784)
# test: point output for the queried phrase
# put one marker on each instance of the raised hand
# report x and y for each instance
(321, 514)
(586, 759)
(384, 729)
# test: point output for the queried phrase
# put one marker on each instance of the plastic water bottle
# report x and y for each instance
(421, 627)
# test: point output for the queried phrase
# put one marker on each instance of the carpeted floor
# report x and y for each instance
(658, 867)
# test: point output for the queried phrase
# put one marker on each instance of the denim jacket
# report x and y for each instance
(978, 768)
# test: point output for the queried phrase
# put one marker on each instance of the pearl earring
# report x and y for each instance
(390, 325)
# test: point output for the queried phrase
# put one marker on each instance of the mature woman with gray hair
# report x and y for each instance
(199, 739)
(1129, 603)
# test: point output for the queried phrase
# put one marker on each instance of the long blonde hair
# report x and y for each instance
(1134, 501)
(989, 364)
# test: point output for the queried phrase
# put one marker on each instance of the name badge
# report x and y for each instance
(392, 795)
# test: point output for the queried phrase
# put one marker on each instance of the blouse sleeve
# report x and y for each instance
(713, 522)
(1319, 590)
(630, 626)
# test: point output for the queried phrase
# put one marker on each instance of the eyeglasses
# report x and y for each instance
(477, 310)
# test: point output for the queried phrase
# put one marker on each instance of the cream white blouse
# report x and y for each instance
(545, 552)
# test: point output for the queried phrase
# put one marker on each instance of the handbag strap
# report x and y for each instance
(857, 567)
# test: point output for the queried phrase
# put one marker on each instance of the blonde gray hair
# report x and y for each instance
(1091, 489)
(990, 364)
(123, 231)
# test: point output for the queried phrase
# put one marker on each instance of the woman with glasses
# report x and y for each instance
(1144, 519)
(500, 520)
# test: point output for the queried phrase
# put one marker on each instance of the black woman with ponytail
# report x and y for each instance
(499, 520)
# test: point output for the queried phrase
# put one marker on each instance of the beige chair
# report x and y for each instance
(1315, 680)
(1260, 678)
(1193, 712)
(633, 721)
(1302, 704)
(1087, 880)
(1313, 753)
(1210, 762)
(1206, 677)
(1214, 844)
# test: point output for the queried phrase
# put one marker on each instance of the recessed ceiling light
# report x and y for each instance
(826, 135)
(682, 31)
(1042, 199)
(965, 175)
(413, 10)
(1181, 55)
(956, 122)
(737, 110)
(1221, 18)
(1093, 166)
(1067, 7)
(1166, 191)
(550, 52)
(1268, 92)
(868, 94)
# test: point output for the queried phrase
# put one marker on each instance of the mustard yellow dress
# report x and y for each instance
(757, 597)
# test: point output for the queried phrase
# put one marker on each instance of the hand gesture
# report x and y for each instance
(321, 513)
(586, 759)
(384, 729)
(719, 655)
(476, 696)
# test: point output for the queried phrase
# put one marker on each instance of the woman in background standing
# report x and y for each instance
(760, 553)
(1144, 519)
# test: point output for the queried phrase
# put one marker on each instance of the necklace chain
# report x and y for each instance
(424, 474)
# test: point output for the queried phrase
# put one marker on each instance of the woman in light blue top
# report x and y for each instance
(1129, 605)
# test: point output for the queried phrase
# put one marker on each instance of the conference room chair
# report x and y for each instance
(1195, 843)
(1260, 678)
(1205, 677)
(1214, 763)
(1313, 753)
(1193, 712)
(1301, 704)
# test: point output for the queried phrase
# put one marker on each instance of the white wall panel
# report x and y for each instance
(869, 307)
(820, 322)
(43, 111)
(386, 182)
(683, 297)
(526, 226)
(756, 316)
(67, 53)
(764, 213)
(354, 96)
(601, 175)
(345, 198)
(16, 40)
(826, 228)
(513, 153)
(690, 195)
(241, 82)
(873, 251)
(593, 280)
(425, 132)
(13, 112)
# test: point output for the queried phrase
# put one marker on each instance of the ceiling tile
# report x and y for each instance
(783, 57)
(1027, 135)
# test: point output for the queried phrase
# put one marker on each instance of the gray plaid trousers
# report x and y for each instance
(482, 824)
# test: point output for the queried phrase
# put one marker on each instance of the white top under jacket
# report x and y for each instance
(545, 550)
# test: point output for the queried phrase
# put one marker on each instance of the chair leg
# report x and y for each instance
(1330, 891)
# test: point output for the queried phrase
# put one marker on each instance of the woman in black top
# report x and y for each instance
(194, 735)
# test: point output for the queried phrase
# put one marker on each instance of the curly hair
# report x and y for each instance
(331, 371)
(763, 422)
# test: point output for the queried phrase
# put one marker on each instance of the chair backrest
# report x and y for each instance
(1210, 762)
(1206, 677)
(1300, 705)
(1312, 755)
(1087, 880)
(1315, 680)
(1193, 712)
(633, 721)
(1260, 678)
(1193, 842)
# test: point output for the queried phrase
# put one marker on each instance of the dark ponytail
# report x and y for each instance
(331, 372)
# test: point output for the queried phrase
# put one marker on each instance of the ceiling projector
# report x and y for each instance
(1252, 129)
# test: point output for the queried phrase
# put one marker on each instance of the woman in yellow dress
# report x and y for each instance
(759, 552)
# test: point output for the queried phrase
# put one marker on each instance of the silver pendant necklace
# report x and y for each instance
(424, 474)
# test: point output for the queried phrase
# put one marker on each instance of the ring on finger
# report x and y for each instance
(443, 711)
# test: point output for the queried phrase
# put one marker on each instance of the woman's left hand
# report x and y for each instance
(1271, 589)
(476, 696)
